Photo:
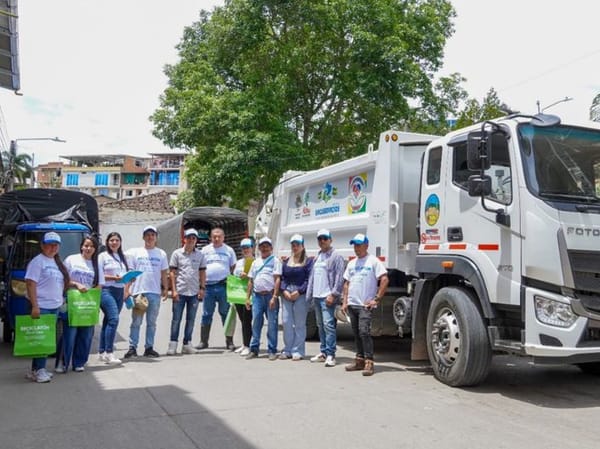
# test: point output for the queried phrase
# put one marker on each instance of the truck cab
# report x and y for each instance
(509, 252)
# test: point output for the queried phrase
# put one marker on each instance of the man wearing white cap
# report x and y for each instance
(325, 291)
(188, 284)
(152, 283)
(362, 295)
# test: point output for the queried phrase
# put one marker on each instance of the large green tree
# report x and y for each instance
(263, 86)
(473, 111)
(18, 166)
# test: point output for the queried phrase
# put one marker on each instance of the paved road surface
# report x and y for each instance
(217, 400)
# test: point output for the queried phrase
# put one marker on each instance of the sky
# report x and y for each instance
(92, 71)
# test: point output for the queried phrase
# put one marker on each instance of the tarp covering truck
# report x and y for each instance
(491, 236)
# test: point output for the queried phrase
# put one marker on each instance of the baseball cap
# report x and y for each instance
(359, 239)
(51, 237)
(265, 240)
(324, 233)
(297, 238)
(246, 243)
(191, 232)
(149, 229)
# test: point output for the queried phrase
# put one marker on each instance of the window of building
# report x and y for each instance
(101, 179)
(72, 179)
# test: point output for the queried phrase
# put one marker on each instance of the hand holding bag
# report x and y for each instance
(35, 337)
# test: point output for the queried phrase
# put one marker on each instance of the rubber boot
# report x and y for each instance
(204, 333)
(369, 368)
(229, 343)
(358, 365)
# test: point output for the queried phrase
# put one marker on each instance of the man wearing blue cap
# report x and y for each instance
(361, 295)
(325, 290)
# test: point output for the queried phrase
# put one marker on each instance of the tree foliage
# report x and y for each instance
(489, 109)
(263, 86)
(18, 166)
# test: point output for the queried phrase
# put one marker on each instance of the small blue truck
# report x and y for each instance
(25, 216)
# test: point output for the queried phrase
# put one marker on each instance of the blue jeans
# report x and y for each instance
(40, 362)
(294, 325)
(260, 307)
(76, 344)
(151, 316)
(190, 303)
(111, 303)
(327, 324)
(215, 294)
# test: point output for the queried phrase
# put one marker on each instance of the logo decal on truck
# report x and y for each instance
(357, 198)
(432, 209)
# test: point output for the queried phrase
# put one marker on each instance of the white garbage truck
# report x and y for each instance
(491, 237)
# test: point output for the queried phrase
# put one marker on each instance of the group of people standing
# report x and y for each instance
(192, 275)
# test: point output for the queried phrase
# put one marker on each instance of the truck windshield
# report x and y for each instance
(561, 163)
(27, 246)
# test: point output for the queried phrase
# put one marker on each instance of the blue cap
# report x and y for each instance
(359, 239)
(246, 243)
(190, 232)
(324, 233)
(297, 238)
(51, 237)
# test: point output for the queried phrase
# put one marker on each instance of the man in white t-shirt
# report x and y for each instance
(220, 262)
(152, 283)
(361, 295)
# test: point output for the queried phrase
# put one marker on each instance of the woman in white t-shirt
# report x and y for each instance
(83, 274)
(113, 264)
(45, 278)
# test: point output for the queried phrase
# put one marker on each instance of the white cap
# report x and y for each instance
(265, 240)
(297, 238)
(324, 233)
(359, 239)
(191, 232)
(149, 229)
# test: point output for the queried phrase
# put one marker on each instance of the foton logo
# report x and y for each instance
(583, 232)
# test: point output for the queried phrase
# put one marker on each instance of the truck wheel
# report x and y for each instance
(590, 368)
(457, 340)
(6, 333)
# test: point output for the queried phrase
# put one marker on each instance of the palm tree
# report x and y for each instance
(19, 166)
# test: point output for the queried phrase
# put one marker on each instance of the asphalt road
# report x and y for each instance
(218, 400)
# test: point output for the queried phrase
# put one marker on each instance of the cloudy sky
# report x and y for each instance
(91, 71)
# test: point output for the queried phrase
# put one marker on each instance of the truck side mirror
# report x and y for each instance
(478, 149)
(480, 185)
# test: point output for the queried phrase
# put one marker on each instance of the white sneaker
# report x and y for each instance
(60, 369)
(42, 376)
(102, 357)
(110, 359)
(79, 369)
(240, 349)
(319, 358)
(188, 349)
(330, 361)
(245, 351)
(172, 348)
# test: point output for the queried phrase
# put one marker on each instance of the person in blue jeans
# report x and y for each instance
(188, 279)
(324, 291)
(294, 281)
(84, 275)
(264, 280)
(220, 262)
(113, 264)
(153, 284)
(45, 280)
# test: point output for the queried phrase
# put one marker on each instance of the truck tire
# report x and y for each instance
(590, 368)
(457, 340)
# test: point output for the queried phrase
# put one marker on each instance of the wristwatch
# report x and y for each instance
(202, 287)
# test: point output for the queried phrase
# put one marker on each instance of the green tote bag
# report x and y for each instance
(83, 308)
(35, 337)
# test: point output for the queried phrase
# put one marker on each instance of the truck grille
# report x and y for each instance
(586, 273)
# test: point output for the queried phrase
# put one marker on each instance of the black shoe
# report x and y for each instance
(202, 345)
(149, 352)
(131, 353)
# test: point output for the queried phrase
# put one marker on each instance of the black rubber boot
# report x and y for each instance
(229, 343)
(204, 333)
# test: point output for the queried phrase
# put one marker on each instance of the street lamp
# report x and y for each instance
(8, 172)
(564, 100)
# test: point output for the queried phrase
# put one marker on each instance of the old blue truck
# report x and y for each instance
(25, 215)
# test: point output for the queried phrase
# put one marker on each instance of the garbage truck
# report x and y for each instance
(491, 237)
(25, 216)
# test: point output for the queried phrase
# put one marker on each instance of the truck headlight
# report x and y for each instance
(554, 313)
